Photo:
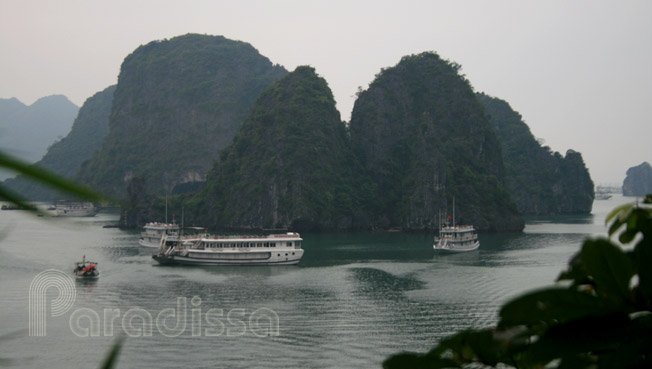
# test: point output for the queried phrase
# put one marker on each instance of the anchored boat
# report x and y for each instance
(274, 249)
(456, 239)
(75, 209)
(154, 231)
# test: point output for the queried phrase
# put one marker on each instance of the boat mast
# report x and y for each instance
(453, 211)
(166, 209)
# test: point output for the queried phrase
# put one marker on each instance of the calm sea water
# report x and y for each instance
(353, 300)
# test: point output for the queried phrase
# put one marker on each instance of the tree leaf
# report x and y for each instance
(622, 209)
(553, 305)
(576, 339)
(111, 359)
(46, 177)
(408, 360)
(609, 267)
(643, 261)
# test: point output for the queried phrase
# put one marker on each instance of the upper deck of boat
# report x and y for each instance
(290, 236)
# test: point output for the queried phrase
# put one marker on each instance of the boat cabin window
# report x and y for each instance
(289, 244)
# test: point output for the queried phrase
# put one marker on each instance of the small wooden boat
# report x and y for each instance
(86, 269)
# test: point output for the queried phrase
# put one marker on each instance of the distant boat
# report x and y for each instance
(605, 192)
(13, 207)
(601, 195)
(456, 238)
(86, 269)
(75, 209)
(154, 231)
(274, 249)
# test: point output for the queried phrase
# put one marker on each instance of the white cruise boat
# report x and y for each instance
(275, 249)
(75, 209)
(154, 231)
(457, 239)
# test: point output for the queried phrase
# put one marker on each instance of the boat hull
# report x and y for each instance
(215, 259)
(147, 243)
(446, 249)
(86, 275)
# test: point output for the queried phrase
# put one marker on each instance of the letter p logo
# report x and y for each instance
(38, 296)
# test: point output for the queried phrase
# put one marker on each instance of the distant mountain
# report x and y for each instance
(290, 166)
(27, 131)
(638, 181)
(178, 102)
(66, 156)
(541, 182)
(424, 140)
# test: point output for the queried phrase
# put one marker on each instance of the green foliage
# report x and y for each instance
(48, 178)
(602, 318)
(111, 359)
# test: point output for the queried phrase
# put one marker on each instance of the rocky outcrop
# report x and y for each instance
(541, 182)
(290, 166)
(424, 140)
(178, 102)
(638, 181)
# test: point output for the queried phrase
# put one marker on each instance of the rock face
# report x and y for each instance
(178, 102)
(27, 131)
(66, 156)
(424, 139)
(540, 181)
(290, 166)
(638, 181)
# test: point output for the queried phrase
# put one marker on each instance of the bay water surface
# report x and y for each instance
(354, 299)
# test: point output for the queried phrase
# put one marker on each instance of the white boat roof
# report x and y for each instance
(459, 228)
(156, 225)
(253, 238)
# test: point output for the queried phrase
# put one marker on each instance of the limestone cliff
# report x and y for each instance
(638, 181)
(424, 140)
(541, 182)
(290, 166)
(178, 102)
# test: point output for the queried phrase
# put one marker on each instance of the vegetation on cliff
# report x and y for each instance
(178, 102)
(424, 139)
(66, 156)
(290, 166)
(540, 181)
(638, 181)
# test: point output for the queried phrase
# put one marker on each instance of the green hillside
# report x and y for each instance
(290, 166)
(424, 140)
(178, 102)
(541, 182)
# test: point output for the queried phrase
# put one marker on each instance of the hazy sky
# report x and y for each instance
(579, 72)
